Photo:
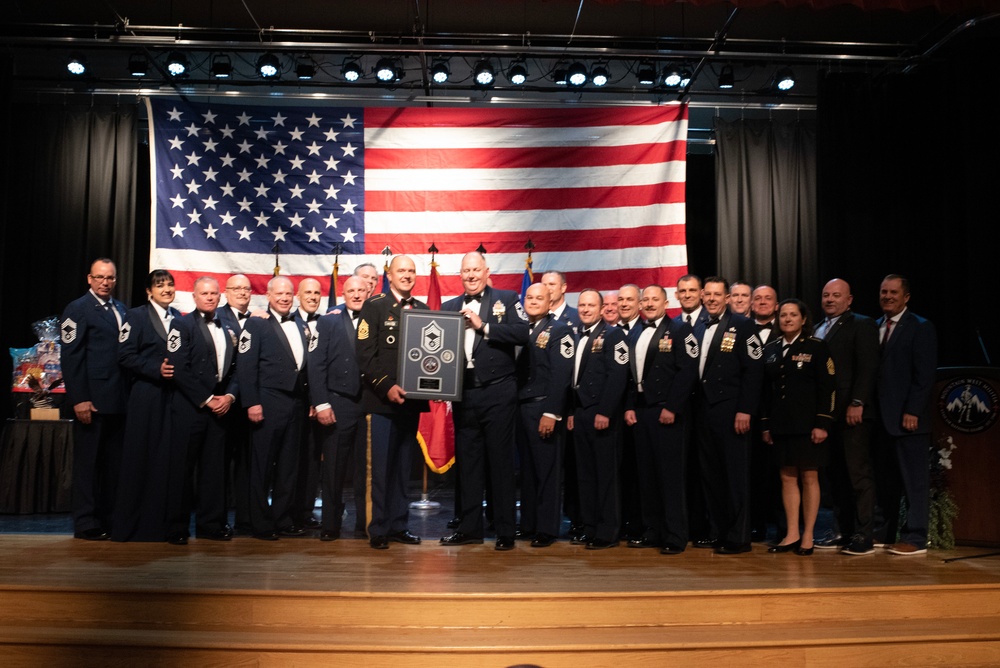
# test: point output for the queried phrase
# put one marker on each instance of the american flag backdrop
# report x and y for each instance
(599, 191)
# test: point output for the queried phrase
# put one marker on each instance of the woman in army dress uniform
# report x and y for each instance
(798, 407)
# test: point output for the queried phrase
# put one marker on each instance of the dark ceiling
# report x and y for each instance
(38, 37)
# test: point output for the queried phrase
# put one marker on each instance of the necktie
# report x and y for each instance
(473, 298)
(687, 319)
(888, 328)
(784, 348)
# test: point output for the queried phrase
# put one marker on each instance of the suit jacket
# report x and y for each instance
(378, 344)
(670, 368)
(333, 360)
(571, 317)
(545, 365)
(801, 388)
(266, 360)
(142, 343)
(603, 374)
(195, 364)
(494, 356)
(89, 354)
(734, 366)
(698, 326)
(906, 373)
(853, 345)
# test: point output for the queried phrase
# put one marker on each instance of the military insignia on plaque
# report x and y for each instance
(543, 339)
(728, 341)
(691, 346)
(499, 310)
(433, 365)
(755, 350)
(666, 344)
(68, 330)
(173, 341)
(125, 331)
(621, 352)
(566, 346)
(245, 342)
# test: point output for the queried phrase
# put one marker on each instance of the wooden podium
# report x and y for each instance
(966, 409)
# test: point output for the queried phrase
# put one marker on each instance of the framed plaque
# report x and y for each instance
(432, 354)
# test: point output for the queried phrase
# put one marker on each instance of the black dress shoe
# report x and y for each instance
(177, 539)
(804, 551)
(732, 548)
(671, 549)
(705, 543)
(379, 542)
(311, 523)
(580, 539)
(218, 534)
(96, 533)
(404, 537)
(454, 522)
(520, 534)
(228, 530)
(292, 532)
(541, 540)
(266, 535)
(598, 544)
(641, 542)
(791, 547)
(505, 543)
(329, 535)
(459, 538)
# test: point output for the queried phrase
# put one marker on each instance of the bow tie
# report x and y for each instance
(713, 321)
(649, 323)
(474, 298)
(762, 327)
(287, 318)
(210, 319)
(312, 317)
(405, 303)
(586, 332)
(355, 315)
(242, 316)
(624, 325)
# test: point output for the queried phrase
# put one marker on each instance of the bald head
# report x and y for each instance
(836, 298)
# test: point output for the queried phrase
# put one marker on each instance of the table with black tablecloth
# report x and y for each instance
(36, 466)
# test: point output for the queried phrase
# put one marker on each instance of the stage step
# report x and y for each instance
(845, 626)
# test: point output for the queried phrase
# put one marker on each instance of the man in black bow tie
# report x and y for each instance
(484, 419)
(309, 294)
(271, 372)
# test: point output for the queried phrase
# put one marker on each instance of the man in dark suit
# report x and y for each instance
(97, 391)
(731, 370)
(765, 486)
(630, 323)
(544, 373)
(485, 418)
(904, 385)
(600, 374)
(233, 314)
(203, 352)
(394, 417)
(309, 295)
(272, 378)
(335, 393)
(852, 340)
(764, 306)
(628, 310)
(663, 364)
(555, 283)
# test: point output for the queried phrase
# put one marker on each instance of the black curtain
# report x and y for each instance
(766, 197)
(69, 196)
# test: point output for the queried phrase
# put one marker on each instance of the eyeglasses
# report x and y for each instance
(101, 279)
(238, 289)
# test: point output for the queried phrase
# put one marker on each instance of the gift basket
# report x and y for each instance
(38, 381)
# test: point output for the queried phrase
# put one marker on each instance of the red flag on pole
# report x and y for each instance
(436, 433)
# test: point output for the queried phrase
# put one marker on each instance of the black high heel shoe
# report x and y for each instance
(804, 551)
(791, 547)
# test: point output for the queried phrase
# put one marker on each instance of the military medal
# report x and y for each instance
(499, 309)
(543, 339)
(666, 344)
(598, 344)
(728, 341)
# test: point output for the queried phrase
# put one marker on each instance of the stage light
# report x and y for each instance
(76, 65)
(138, 65)
(268, 66)
(672, 78)
(351, 71)
(560, 75)
(440, 72)
(726, 78)
(685, 78)
(387, 70)
(177, 64)
(484, 74)
(576, 75)
(305, 69)
(784, 80)
(517, 74)
(222, 67)
(599, 77)
(646, 74)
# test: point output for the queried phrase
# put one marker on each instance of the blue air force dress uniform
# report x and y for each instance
(544, 374)
(271, 373)
(144, 484)
(731, 370)
(335, 382)
(203, 351)
(485, 419)
(600, 378)
(237, 436)
(393, 426)
(89, 336)
(663, 366)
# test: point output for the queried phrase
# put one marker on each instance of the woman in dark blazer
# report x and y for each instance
(141, 505)
(799, 392)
